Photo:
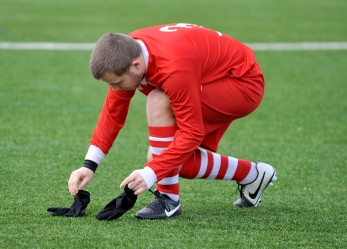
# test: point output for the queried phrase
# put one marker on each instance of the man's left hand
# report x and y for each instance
(135, 182)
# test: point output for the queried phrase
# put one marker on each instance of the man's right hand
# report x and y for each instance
(79, 178)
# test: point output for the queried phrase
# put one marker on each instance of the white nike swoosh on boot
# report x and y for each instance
(168, 214)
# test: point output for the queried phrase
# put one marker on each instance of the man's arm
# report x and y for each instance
(183, 90)
(110, 121)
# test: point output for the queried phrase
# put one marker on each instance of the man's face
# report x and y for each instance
(128, 81)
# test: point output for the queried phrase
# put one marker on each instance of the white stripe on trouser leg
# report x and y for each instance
(203, 166)
(216, 166)
(156, 150)
(232, 165)
(169, 180)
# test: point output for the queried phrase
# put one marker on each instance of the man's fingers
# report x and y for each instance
(78, 179)
(83, 183)
(126, 181)
(131, 181)
(135, 182)
(139, 191)
(72, 184)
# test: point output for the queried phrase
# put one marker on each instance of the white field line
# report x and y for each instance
(45, 46)
(280, 46)
(299, 46)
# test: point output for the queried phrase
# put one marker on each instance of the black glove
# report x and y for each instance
(78, 208)
(118, 206)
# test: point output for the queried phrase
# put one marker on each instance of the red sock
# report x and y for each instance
(205, 164)
(159, 139)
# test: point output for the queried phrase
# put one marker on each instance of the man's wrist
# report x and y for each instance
(89, 164)
(95, 154)
(148, 175)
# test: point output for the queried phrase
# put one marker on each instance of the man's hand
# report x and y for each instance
(79, 178)
(135, 182)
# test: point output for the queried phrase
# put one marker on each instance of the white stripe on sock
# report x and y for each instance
(216, 166)
(169, 180)
(203, 165)
(164, 139)
(252, 175)
(156, 150)
(232, 165)
(172, 196)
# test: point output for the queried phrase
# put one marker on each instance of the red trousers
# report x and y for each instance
(228, 99)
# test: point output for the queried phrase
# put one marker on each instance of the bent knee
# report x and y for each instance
(158, 109)
(158, 99)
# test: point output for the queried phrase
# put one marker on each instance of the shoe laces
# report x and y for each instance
(239, 189)
(158, 198)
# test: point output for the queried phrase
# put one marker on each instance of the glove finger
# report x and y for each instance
(75, 213)
(111, 214)
(115, 215)
(53, 209)
(113, 204)
(125, 203)
(104, 215)
(60, 211)
(118, 206)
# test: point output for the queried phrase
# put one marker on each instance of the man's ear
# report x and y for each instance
(136, 63)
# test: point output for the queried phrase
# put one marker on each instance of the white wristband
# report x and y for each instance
(95, 154)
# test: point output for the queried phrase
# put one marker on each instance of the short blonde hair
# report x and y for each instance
(113, 53)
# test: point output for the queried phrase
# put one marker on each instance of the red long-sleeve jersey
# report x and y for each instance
(182, 58)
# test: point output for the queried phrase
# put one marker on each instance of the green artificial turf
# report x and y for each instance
(49, 104)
